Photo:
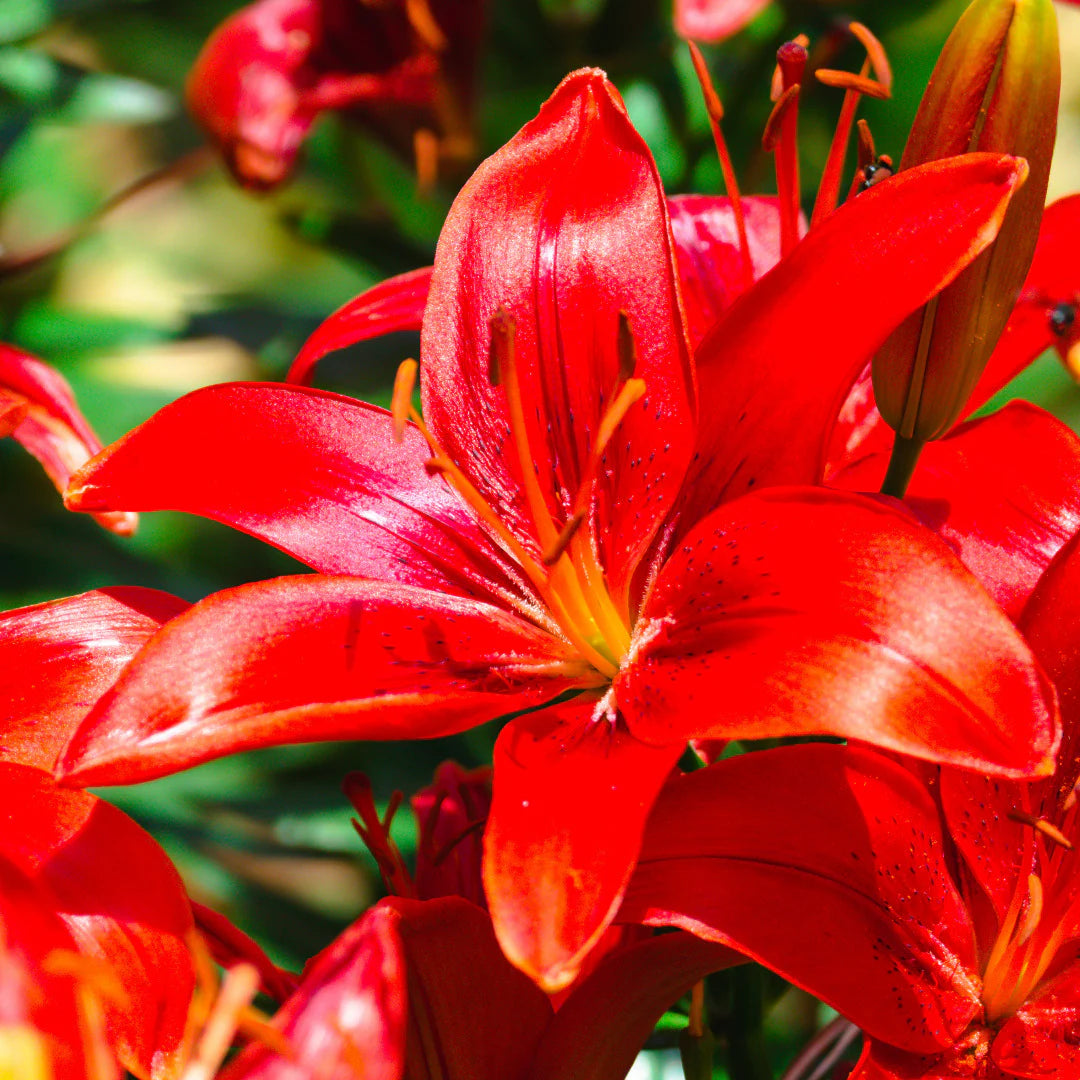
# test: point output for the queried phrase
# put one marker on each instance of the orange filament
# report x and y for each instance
(238, 990)
(1042, 826)
(727, 170)
(562, 541)
(401, 399)
(423, 23)
(426, 158)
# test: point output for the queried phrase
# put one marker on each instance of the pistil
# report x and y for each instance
(782, 137)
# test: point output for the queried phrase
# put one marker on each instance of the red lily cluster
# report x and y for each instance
(631, 517)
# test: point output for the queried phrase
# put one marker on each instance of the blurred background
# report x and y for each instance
(132, 261)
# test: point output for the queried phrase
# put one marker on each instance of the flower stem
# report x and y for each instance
(905, 456)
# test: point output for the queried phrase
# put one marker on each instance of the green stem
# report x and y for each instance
(748, 1057)
(905, 456)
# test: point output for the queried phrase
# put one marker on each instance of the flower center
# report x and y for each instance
(1034, 927)
(568, 575)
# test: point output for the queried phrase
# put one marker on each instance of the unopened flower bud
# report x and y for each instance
(995, 88)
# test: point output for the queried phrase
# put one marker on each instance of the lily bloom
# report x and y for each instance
(99, 940)
(38, 410)
(551, 525)
(934, 908)
(404, 67)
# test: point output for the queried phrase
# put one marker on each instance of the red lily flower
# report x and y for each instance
(109, 945)
(599, 566)
(404, 67)
(39, 411)
(940, 916)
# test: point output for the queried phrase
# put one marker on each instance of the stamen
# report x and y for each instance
(716, 113)
(828, 196)
(779, 81)
(1034, 910)
(630, 392)
(1042, 826)
(696, 1019)
(238, 990)
(426, 157)
(423, 22)
(847, 80)
(554, 553)
(401, 399)
(627, 348)
(782, 136)
(375, 832)
(875, 53)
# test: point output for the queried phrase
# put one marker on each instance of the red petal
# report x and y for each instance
(1051, 623)
(571, 797)
(866, 626)
(987, 492)
(122, 900)
(599, 1031)
(350, 1008)
(882, 1062)
(394, 305)
(312, 658)
(57, 659)
(777, 366)
(52, 428)
(317, 475)
(541, 229)
(714, 20)
(1040, 1039)
(708, 255)
(826, 864)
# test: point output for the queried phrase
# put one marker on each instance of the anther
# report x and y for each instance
(500, 350)
(1034, 910)
(401, 399)
(423, 23)
(627, 348)
(562, 541)
(875, 51)
(774, 125)
(848, 80)
(426, 158)
(1042, 826)
(238, 990)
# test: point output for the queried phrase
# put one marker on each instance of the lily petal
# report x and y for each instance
(1038, 1040)
(391, 306)
(865, 626)
(714, 20)
(58, 658)
(301, 659)
(766, 410)
(790, 856)
(570, 801)
(51, 428)
(590, 1040)
(565, 228)
(708, 255)
(988, 492)
(315, 474)
(122, 900)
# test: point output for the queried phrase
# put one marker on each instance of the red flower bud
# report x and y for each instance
(995, 88)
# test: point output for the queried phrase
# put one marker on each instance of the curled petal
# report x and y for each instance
(58, 658)
(865, 626)
(766, 409)
(556, 863)
(316, 474)
(49, 423)
(393, 305)
(828, 865)
(313, 658)
(565, 229)
(988, 492)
